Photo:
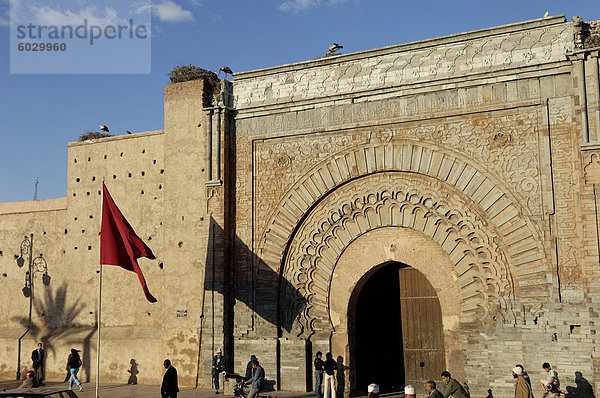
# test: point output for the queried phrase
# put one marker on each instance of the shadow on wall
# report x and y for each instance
(55, 325)
(254, 284)
(133, 372)
(583, 388)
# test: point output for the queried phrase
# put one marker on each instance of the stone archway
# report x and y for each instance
(394, 244)
(392, 199)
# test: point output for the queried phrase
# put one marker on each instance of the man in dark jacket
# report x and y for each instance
(329, 367)
(218, 367)
(257, 381)
(432, 391)
(38, 356)
(169, 388)
(453, 387)
(318, 373)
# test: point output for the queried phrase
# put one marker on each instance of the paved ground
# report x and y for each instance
(139, 391)
(126, 391)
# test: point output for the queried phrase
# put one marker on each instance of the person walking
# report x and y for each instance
(329, 368)
(453, 387)
(37, 356)
(169, 387)
(257, 381)
(218, 366)
(318, 373)
(74, 362)
(522, 387)
(525, 375)
(433, 392)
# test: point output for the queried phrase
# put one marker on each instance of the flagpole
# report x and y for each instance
(99, 306)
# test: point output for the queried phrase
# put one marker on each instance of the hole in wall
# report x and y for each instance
(99, 193)
(89, 247)
(89, 158)
(74, 194)
(77, 179)
(149, 238)
(5, 274)
(162, 171)
(75, 219)
(201, 218)
(575, 329)
(114, 177)
(44, 233)
(143, 173)
(1, 253)
(88, 193)
(160, 265)
(83, 231)
(143, 151)
(74, 160)
(129, 175)
(154, 161)
(16, 256)
(142, 192)
(180, 244)
(75, 247)
(93, 178)
(203, 170)
(105, 156)
(66, 231)
(91, 216)
(64, 251)
(121, 154)
(159, 186)
(182, 218)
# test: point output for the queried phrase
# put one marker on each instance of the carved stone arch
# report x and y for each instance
(396, 199)
(503, 209)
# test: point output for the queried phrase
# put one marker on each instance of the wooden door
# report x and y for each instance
(422, 333)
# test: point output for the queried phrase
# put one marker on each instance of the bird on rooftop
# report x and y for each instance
(103, 128)
(128, 132)
(334, 47)
(227, 70)
(546, 14)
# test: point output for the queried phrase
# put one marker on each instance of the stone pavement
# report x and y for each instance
(140, 391)
(126, 391)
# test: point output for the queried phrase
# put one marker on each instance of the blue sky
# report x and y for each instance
(41, 113)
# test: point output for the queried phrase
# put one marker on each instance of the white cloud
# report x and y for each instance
(28, 12)
(296, 6)
(169, 11)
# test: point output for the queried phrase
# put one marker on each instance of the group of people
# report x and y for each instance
(38, 357)
(325, 375)
(523, 389)
(255, 374)
(550, 385)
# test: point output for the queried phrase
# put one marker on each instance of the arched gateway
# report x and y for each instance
(431, 211)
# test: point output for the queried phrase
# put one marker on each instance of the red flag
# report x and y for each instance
(119, 245)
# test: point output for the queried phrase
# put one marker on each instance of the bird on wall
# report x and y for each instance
(227, 70)
(103, 128)
(334, 47)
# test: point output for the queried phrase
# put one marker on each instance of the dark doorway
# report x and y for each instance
(398, 335)
(378, 335)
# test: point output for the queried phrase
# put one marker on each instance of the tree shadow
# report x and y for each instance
(583, 388)
(133, 371)
(55, 321)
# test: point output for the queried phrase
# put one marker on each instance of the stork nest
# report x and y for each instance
(185, 73)
(93, 135)
(212, 84)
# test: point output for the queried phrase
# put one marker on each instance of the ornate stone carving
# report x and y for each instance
(429, 206)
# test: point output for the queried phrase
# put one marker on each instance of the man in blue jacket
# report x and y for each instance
(257, 380)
